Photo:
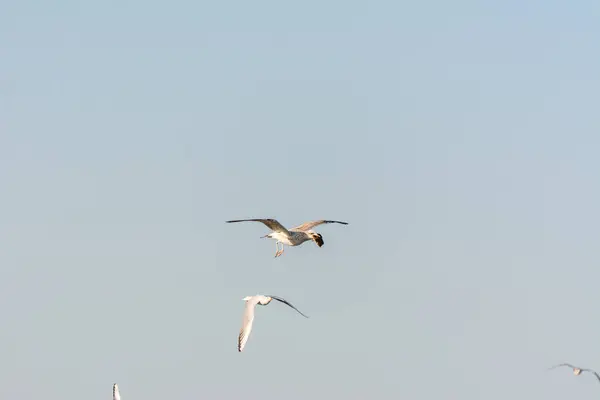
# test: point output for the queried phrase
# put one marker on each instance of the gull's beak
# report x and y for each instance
(262, 237)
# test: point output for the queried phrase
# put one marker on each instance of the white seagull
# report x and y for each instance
(576, 370)
(251, 302)
(292, 237)
(116, 394)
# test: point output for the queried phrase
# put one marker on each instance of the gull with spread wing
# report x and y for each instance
(576, 370)
(251, 302)
(116, 394)
(291, 237)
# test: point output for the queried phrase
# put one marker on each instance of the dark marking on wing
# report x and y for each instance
(288, 303)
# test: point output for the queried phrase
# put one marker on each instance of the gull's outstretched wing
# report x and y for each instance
(288, 303)
(592, 371)
(271, 223)
(563, 365)
(116, 394)
(309, 225)
(247, 321)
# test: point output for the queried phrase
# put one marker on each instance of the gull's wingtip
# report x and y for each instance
(562, 365)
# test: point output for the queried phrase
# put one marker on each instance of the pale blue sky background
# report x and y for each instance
(459, 139)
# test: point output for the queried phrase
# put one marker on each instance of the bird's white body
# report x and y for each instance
(252, 301)
(116, 393)
(295, 238)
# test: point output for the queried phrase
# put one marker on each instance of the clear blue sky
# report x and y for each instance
(460, 140)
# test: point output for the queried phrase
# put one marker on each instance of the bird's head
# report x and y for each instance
(247, 298)
(317, 238)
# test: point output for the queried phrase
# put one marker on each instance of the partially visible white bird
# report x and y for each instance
(251, 302)
(292, 237)
(576, 370)
(116, 394)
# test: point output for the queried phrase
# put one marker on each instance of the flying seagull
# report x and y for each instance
(251, 302)
(292, 237)
(576, 370)
(116, 394)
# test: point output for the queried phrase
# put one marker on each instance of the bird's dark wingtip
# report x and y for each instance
(337, 222)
